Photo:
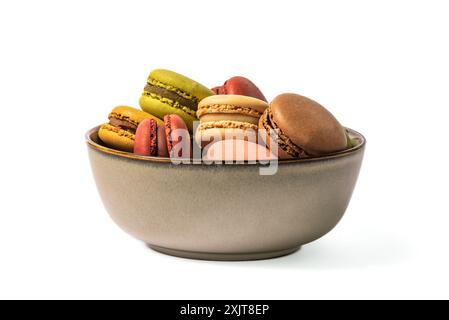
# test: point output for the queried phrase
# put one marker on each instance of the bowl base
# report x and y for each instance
(224, 256)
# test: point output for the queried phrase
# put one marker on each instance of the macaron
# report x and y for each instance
(228, 116)
(150, 139)
(237, 150)
(120, 132)
(168, 92)
(301, 127)
(178, 138)
(145, 143)
(162, 150)
(240, 86)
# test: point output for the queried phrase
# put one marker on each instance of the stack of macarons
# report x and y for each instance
(234, 116)
(120, 132)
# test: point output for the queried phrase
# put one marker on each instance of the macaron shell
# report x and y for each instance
(182, 82)
(145, 139)
(162, 150)
(116, 138)
(308, 124)
(218, 90)
(173, 125)
(267, 139)
(229, 117)
(235, 100)
(135, 115)
(281, 154)
(237, 150)
(160, 109)
(203, 137)
(241, 86)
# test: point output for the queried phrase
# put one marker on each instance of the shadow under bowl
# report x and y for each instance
(229, 211)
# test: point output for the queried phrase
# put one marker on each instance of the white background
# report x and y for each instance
(382, 67)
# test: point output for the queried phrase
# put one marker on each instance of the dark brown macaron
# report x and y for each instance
(303, 127)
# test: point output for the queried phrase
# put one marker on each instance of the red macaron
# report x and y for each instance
(178, 137)
(240, 86)
(150, 139)
(162, 150)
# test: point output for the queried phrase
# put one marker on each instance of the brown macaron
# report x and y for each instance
(303, 127)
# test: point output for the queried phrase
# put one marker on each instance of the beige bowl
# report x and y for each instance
(224, 212)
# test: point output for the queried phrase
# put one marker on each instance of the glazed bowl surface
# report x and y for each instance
(228, 211)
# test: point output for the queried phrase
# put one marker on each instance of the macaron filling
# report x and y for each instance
(119, 131)
(213, 117)
(283, 141)
(179, 92)
(153, 139)
(171, 103)
(227, 125)
(122, 122)
(168, 130)
(162, 150)
(169, 94)
(228, 108)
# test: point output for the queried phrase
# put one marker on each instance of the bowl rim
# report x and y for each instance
(123, 154)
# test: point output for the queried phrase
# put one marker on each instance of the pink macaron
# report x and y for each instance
(237, 150)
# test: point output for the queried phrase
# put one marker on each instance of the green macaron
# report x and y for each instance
(168, 92)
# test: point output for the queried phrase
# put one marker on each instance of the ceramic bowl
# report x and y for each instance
(224, 212)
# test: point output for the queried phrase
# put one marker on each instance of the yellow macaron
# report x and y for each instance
(120, 132)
